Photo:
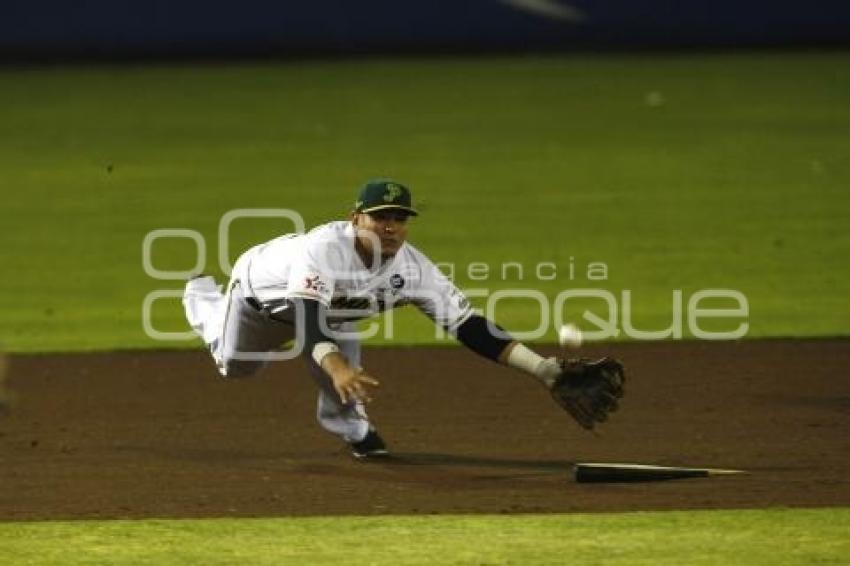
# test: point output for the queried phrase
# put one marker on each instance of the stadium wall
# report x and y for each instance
(154, 28)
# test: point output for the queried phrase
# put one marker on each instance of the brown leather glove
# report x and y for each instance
(589, 390)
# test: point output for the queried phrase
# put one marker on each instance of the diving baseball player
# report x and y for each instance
(312, 287)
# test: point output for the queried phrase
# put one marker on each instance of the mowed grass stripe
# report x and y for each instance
(774, 536)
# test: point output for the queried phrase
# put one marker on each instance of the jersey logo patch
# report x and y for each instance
(314, 283)
(396, 281)
(393, 192)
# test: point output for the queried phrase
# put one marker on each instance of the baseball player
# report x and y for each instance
(312, 287)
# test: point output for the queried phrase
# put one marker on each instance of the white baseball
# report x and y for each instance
(569, 336)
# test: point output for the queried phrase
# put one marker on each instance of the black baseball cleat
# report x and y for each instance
(371, 447)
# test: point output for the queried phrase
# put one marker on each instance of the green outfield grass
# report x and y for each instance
(769, 537)
(677, 172)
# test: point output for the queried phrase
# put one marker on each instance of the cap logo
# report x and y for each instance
(393, 192)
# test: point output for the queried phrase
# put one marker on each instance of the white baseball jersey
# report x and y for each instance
(323, 265)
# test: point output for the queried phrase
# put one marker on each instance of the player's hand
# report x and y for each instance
(351, 385)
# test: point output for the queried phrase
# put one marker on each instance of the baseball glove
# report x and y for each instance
(589, 390)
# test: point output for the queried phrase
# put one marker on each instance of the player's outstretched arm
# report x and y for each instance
(487, 339)
(349, 382)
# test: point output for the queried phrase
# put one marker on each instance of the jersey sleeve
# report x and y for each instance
(313, 274)
(439, 299)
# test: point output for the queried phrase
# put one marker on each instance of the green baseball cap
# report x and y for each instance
(384, 194)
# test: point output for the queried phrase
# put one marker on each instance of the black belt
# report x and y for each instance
(254, 303)
(259, 307)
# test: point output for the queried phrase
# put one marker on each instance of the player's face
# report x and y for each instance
(390, 226)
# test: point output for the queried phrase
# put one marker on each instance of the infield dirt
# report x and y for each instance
(141, 434)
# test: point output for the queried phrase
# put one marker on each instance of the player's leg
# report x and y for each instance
(204, 304)
(248, 336)
(346, 420)
(239, 335)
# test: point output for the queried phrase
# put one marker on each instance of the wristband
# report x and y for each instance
(322, 349)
